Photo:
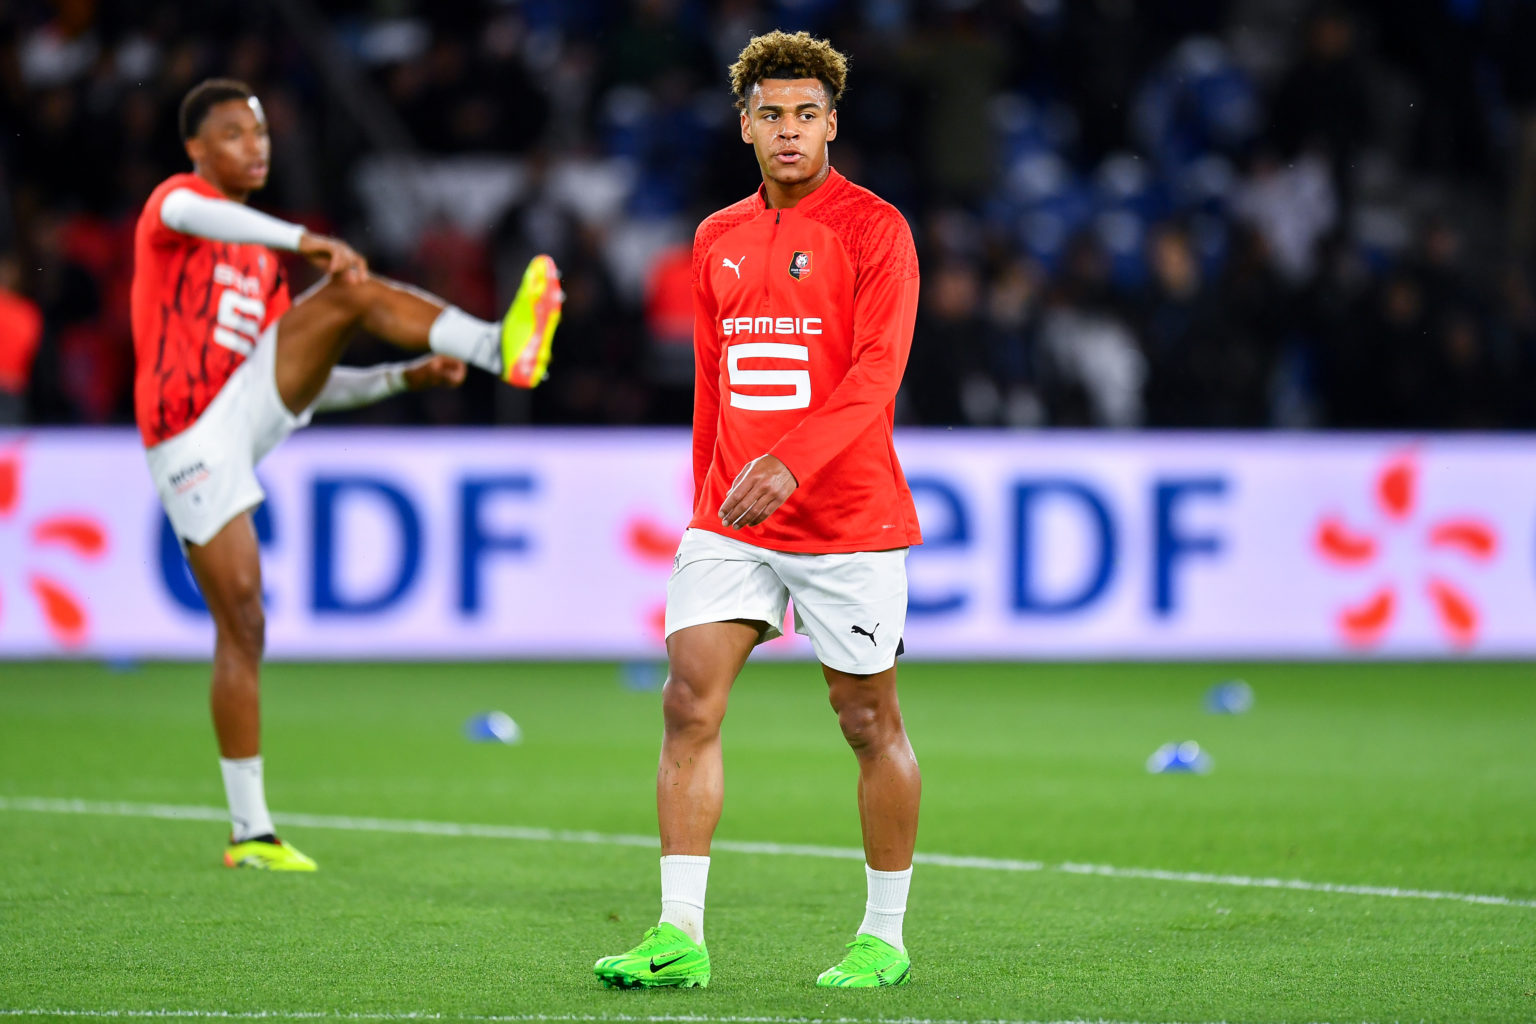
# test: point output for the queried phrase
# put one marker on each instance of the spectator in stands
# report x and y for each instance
(1095, 369)
(21, 328)
(532, 127)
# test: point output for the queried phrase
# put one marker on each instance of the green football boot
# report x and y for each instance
(666, 956)
(529, 326)
(270, 854)
(870, 963)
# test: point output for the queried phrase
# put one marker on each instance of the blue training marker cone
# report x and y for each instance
(1229, 697)
(492, 727)
(1175, 758)
(643, 675)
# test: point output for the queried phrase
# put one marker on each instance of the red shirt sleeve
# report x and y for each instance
(884, 314)
(706, 373)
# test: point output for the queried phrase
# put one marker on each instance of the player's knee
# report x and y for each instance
(351, 296)
(244, 620)
(861, 724)
(864, 716)
(250, 627)
(689, 707)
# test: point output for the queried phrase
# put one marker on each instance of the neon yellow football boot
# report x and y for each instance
(666, 957)
(528, 329)
(267, 855)
(870, 963)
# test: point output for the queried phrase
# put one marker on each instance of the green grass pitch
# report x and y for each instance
(1381, 776)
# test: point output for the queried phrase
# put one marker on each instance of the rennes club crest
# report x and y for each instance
(800, 266)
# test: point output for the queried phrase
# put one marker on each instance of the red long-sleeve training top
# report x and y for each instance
(199, 306)
(802, 325)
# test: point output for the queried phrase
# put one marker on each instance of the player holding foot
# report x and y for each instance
(227, 368)
(805, 296)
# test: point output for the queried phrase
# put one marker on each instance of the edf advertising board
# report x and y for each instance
(542, 543)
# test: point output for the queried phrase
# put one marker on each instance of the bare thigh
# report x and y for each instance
(313, 334)
(702, 664)
(228, 571)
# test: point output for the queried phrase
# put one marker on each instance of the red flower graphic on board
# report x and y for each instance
(81, 535)
(652, 541)
(1367, 621)
(654, 545)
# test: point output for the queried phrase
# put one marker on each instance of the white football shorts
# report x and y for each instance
(206, 475)
(853, 606)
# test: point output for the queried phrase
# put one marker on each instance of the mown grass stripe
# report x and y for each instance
(187, 812)
(524, 1018)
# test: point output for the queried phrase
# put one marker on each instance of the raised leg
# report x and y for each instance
(313, 334)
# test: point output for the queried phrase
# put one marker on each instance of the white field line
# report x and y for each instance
(186, 812)
(513, 1018)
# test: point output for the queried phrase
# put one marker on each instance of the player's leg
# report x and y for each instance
(889, 792)
(228, 571)
(722, 600)
(312, 335)
(702, 663)
(853, 608)
(890, 784)
(206, 480)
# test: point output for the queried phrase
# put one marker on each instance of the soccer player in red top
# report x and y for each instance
(227, 367)
(805, 295)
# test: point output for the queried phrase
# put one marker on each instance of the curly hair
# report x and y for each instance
(782, 55)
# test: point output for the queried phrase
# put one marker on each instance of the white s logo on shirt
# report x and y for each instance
(799, 380)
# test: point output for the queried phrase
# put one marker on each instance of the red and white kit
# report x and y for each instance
(803, 321)
(204, 336)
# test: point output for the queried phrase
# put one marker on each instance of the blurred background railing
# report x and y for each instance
(1255, 213)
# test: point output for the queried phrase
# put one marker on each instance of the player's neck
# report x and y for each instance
(236, 197)
(783, 197)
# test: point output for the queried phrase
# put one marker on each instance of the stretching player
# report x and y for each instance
(227, 367)
(805, 296)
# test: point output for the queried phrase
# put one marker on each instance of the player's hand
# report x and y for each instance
(761, 487)
(335, 257)
(434, 371)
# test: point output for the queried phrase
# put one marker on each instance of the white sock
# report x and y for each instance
(887, 905)
(477, 342)
(683, 880)
(247, 795)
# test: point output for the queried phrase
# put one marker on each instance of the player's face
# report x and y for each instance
(233, 149)
(789, 123)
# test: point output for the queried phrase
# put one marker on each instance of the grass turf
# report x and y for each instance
(1413, 776)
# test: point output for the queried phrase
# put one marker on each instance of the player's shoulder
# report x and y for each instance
(861, 207)
(712, 228)
(852, 194)
(726, 218)
(150, 228)
(871, 228)
(186, 180)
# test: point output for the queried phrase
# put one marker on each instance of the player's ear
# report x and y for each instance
(195, 150)
(746, 126)
(832, 124)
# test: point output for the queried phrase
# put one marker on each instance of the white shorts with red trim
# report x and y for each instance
(206, 475)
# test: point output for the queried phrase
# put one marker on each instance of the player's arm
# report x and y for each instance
(352, 387)
(884, 314)
(706, 381)
(222, 220)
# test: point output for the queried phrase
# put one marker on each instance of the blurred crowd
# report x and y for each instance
(1187, 213)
